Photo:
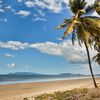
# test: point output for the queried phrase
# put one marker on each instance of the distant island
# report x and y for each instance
(56, 75)
(38, 74)
(23, 73)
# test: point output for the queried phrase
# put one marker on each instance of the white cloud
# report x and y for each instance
(27, 66)
(48, 47)
(9, 8)
(1, 7)
(95, 14)
(11, 65)
(14, 45)
(41, 13)
(55, 6)
(19, 0)
(4, 20)
(38, 19)
(65, 49)
(2, 10)
(71, 54)
(29, 4)
(9, 55)
(52, 5)
(23, 13)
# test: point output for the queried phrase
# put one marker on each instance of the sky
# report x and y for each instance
(29, 41)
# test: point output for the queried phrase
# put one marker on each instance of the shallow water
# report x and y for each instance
(13, 79)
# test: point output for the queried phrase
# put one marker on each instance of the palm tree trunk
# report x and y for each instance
(89, 61)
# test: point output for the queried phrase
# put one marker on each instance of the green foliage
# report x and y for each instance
(97, 6)
(76, 94)
(77, 5)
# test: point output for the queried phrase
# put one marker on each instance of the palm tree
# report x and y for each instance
(86, 28)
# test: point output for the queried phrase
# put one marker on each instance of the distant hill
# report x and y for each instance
(71, 74)
(23, 73)
(59, 75)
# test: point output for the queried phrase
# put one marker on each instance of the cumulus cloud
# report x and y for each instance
(65, 49)
(14, 45)
(72, 54)
(23, 13)
(55, 6)
(11, 65)
(9, 55)
(52, 5)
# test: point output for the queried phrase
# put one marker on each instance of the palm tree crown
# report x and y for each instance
(86, 27)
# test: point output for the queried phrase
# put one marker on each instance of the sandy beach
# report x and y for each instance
(21, 90)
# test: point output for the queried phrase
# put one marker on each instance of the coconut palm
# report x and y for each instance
(85, 28)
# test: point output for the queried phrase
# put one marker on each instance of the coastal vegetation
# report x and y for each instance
(75, 94)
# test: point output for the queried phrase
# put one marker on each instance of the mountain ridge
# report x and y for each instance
(31, 73)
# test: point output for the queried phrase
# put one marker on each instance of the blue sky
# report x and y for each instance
(29, 41)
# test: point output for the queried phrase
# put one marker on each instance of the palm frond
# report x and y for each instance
(97, 6)
(69, 29)
(64, 24)
(84, 35)
(92, 25)
(97, 58)
(77, 5)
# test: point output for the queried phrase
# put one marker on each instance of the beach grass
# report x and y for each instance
(75, 94)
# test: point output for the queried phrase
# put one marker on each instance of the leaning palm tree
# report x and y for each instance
(86, 28)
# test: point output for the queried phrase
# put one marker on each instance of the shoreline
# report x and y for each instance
(44, 80)
(20, 90)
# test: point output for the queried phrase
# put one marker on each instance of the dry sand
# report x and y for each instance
(21, 90)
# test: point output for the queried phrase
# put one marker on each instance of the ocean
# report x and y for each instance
(13, 79)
